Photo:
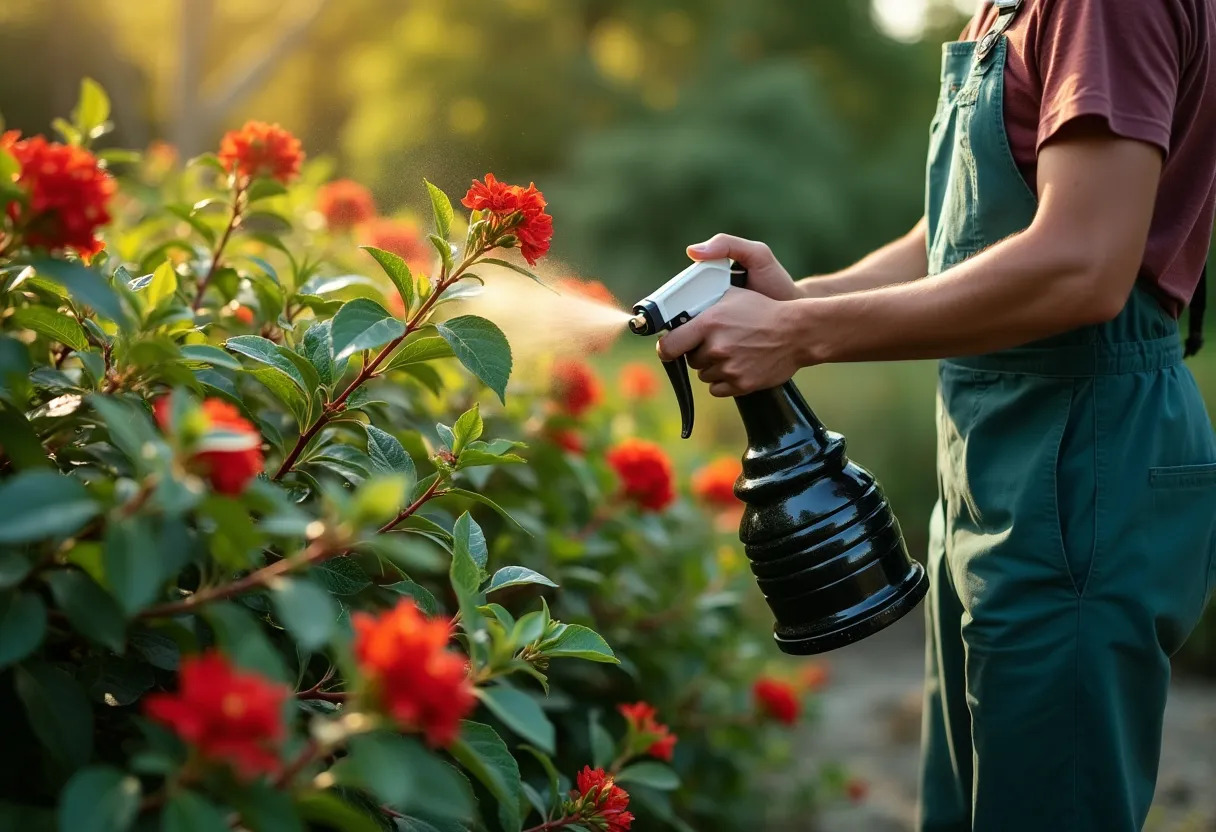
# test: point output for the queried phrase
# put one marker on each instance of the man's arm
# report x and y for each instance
(900, 261)
(1075, 265)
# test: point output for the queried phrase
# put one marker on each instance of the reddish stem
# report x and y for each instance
(234, 220)
(336, 696)
(370, 367)
(413, 507)
(306, 756)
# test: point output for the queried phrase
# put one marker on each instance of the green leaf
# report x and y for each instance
(579, 642)
(341, 576)
(163, 285)
(481, 348)
(363, 324)
(22, 625)
(442, 207)
(128, 425)
(466, 532)
(465, 573)
(403, 774)
(388, 455)
(91, 610)
(467, 429)
(134, 566)
(264, 188)
(84, 285)
(37, 504)
(484, 500)
(58, 326)
(115, 680)
(13, 568)
(650, 773)
(307, 611)
(480, 750)
(268, 352)
(241, 637)
(397, 271)
(286, 391)
(207, 354)
(602, 745)
(521, 713)
(58, 711)
(421, 596)
(21, 443)
(327, 811)
(419, 350)
(516, 576)
(267, 809)
(98, 799)
(188, 812)
(92, 109)
(318, 349)
(378, 499)
(474, 457)
(506, 264)
(444, 249)
(157, 649)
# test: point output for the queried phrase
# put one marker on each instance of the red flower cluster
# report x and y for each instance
(260, 149)
(230, 716)
(601, 801)
(715, 483)
(413, 676)
(589, 289)
(228, 471)
(654, 737)
(514, 210)
(777, 699)
(645, 473)
(576, 389)
(345, 203)
(638, 381)
(244, 314)
(67, 195)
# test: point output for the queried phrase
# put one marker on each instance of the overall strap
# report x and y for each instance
(1007, 11)
(1199, 302)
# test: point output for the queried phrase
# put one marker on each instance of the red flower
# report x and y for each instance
(576, 389)
(589, 289)
(638, 381)
(161, 154)
(777, 699)
(230, 716)
(228, 471)
(856, 789)
(413, 677)
(645, 730)
(261, 149)
(345, 203)
(513, 210)
(243, 314)
(569, 440)
(600, 799)
(645, 472)
(715, 483)
(67, 195)
(401, 238)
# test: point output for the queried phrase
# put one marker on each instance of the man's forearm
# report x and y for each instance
(1030, 286)
(900, 261)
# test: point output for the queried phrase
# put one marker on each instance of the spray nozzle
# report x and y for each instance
(677, 302)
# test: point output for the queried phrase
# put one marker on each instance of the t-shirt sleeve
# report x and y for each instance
(1119, 60)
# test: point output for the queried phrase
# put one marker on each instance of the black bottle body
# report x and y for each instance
(822, 541)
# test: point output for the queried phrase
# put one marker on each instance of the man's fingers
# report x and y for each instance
(679, 341)
(727, 245)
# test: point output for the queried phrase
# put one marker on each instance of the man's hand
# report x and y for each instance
(743, 343)
(764, 274)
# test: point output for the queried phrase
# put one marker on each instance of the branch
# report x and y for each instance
(234, 220)
(552, 825)
(409, 510)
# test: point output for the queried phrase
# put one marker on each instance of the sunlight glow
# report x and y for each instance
(906, 19)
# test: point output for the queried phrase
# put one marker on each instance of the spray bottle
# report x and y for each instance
(821, 538)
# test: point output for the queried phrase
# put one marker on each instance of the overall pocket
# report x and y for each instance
(1184, 515)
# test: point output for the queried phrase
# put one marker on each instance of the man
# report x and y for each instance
(1070, 194)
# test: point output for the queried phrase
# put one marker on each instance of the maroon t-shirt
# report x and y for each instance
(1146, 68)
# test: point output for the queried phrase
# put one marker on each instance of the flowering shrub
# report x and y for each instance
(271, 560)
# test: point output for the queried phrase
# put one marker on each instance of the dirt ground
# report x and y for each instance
(871, 723)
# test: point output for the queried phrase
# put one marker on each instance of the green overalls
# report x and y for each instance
(1071, 548)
